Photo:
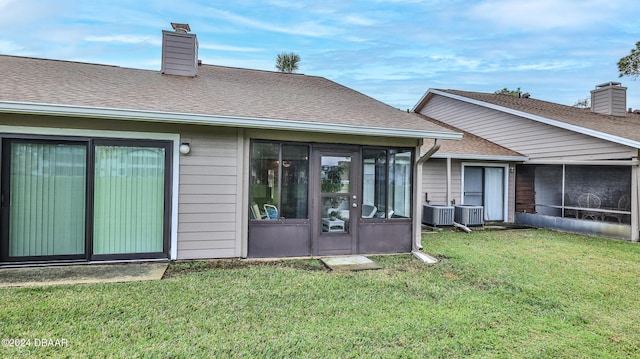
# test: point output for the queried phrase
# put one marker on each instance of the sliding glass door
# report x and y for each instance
(84, 199)
(485, 186)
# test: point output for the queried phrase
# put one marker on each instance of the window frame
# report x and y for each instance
(278, 202)
(388, 181)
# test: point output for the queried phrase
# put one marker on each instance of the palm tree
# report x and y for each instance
(287, 63)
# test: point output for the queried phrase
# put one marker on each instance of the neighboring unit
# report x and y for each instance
(577, 168)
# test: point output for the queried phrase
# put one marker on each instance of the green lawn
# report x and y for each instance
(521, 293)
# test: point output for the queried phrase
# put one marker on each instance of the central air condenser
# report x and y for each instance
(437, 215)
(469, 215)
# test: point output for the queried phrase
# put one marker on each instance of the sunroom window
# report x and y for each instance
(386, 183)
(279, 181)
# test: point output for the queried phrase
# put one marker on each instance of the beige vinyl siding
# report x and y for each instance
(207, 214)
(434, 181)
(537, 140)
(456, 181)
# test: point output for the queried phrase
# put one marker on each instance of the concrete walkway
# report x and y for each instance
(77, 274)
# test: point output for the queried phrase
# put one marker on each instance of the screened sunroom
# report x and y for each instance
(317, 199)
(593, 199)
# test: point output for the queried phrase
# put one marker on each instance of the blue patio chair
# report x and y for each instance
(255, 212)
(271, 211)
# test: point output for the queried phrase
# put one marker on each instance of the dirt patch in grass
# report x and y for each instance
(184, 267)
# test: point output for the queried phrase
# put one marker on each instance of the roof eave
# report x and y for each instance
(215, 120)
(420, 104)
(545, 120)
(482, 157)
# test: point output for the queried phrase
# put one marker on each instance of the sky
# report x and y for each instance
(391, 50)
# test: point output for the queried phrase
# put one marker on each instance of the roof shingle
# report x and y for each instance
(217, 90)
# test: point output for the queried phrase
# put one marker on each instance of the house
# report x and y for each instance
(580, 166)
(104, 163)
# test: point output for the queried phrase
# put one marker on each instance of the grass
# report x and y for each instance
(522, 293)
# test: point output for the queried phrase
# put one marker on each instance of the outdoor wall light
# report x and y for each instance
(185, 148)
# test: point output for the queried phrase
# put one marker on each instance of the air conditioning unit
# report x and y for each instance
(468, 215)
(437, 215)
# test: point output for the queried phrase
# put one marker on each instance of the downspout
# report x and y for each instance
(448, 180)
(417, 230)
(635, 204)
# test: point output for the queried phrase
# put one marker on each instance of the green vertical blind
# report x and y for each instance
(47, 199)
(128, 200)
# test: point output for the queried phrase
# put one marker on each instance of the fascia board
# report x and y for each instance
(227, 121)
(481, 157)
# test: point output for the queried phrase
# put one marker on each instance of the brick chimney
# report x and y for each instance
(179, 51)
(609, 99)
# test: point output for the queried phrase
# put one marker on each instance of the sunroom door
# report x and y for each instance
(337, 204)
(43, 200)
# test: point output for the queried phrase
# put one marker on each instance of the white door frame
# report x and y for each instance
(505, 184)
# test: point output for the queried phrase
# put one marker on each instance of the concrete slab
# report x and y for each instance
(350, 263)
(77, 274)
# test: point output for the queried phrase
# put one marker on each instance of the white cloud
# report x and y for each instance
(126, 39)
(458, 61)
(8, 47)
(5, 3)
(307, 28)
(545, 14)
(545, 66)
(228, 48)
(358, 20)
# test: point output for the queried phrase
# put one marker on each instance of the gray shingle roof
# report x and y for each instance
(217, 90)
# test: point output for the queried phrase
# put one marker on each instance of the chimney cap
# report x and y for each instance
(183, 28)
(607, 84)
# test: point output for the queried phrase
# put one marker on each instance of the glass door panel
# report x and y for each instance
(473, 184)
(128, 200)
(335, 174)
(47, 189)
(335, 214)
(337, 202)
(494, 193)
